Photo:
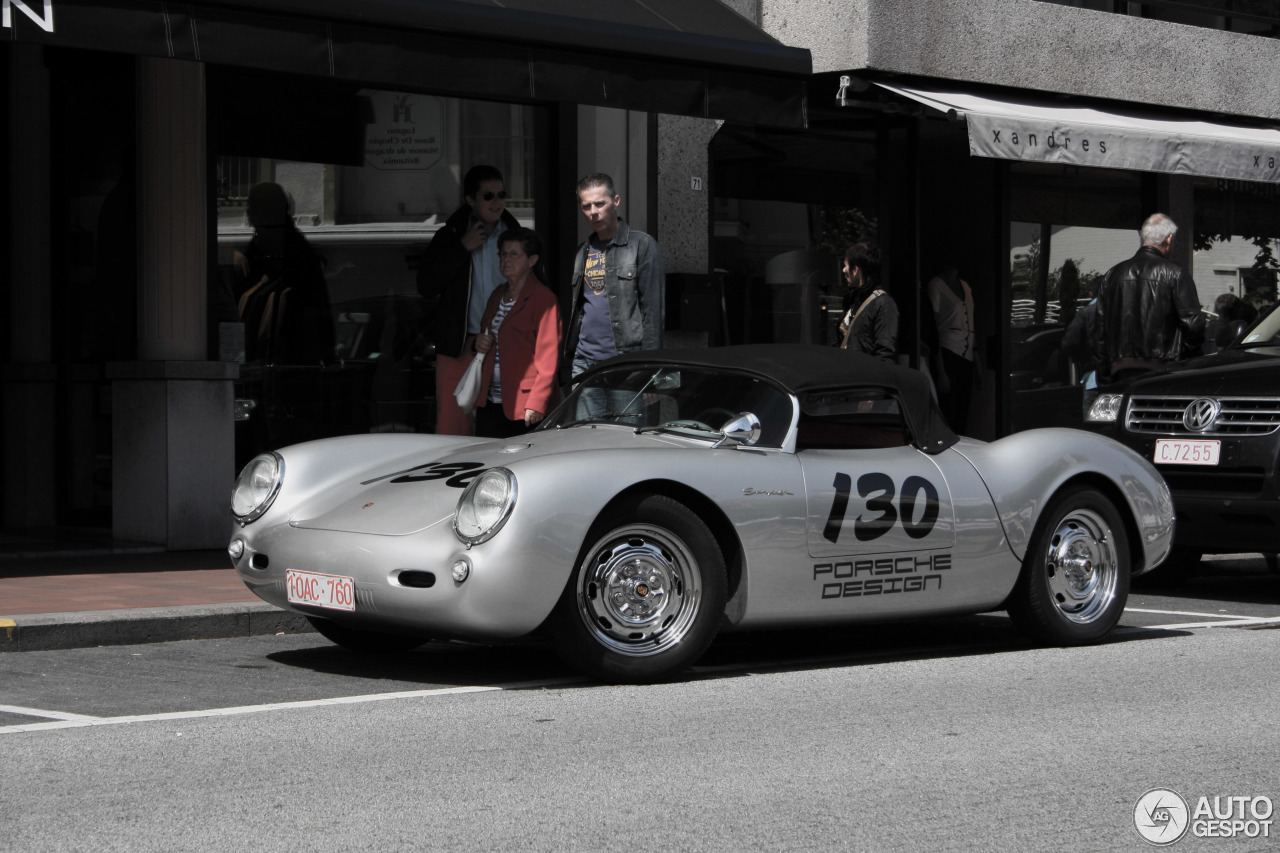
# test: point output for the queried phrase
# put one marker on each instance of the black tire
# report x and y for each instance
(646, 597)
(364, 641)
(1075, 577)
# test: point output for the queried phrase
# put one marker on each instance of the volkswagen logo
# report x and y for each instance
(1201, 414)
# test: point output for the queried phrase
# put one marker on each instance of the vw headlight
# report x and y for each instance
(485, 506)
(257, 486)
(1105, 409)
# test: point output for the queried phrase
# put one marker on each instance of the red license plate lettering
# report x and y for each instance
(335, 592)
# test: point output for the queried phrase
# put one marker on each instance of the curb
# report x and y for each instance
(52, 631)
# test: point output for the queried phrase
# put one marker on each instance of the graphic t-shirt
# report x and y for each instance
(595, 338)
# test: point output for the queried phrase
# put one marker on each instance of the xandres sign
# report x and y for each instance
(44, 21)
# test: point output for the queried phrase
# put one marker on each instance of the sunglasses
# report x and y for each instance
(491, 196)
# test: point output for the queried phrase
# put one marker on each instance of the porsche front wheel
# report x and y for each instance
(1075, 577)
(646, 597)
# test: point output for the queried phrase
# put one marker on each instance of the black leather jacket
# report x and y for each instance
(1148, 312)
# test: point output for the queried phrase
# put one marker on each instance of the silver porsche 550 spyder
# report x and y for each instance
(675, 494)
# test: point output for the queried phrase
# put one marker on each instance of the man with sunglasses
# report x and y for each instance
(458, 272)
(619, 285)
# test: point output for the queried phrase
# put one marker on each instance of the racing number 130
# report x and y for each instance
(878, 490)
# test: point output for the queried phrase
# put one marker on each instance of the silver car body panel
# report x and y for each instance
(1062, 455)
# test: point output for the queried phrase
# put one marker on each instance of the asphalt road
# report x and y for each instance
(953, 735)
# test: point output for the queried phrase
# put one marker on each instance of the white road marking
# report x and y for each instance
(38, 712)
(1243, 621)
(1224, 620)
(77, 721)
(1184, 613)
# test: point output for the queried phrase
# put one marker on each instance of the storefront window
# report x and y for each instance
(1237, 231)
(1068, 227)
(787, 206)
(368, 220)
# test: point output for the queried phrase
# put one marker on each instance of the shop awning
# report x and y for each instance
(686, 57)
(1045, 131)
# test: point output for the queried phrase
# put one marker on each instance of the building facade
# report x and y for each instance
(755, 139)
(134, 132)
(1020, 141)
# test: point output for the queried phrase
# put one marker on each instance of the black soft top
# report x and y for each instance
(802, 368)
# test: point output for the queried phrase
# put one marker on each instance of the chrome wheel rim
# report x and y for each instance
(1082, 566)
(639, 590)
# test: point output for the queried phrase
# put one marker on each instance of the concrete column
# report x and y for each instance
(1176, 198)
(173, 452)
(173, 439)
(30, 379)
(617, 142)
(684, 192)
(172, 230)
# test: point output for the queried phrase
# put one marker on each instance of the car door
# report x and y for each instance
(880, 517)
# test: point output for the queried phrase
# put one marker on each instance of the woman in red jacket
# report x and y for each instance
(522, 319)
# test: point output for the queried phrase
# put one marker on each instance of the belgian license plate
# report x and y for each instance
(1187, 451)
(332, 591)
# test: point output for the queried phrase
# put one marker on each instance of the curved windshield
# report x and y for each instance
(691, 401)
(1266, 333)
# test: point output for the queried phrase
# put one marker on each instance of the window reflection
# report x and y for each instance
(1069, 226)
(368, 223)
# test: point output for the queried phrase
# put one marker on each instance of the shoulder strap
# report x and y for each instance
(875, 294)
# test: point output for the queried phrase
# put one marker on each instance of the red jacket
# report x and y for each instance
(529, 345)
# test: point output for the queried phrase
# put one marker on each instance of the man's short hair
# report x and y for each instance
(596, 179)
(478, 175)
(1156, 229)
(866, 257)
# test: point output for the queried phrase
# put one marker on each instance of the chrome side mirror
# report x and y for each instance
(742, 431)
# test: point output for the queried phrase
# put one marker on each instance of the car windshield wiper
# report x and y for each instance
(604, 417)
(693, 425)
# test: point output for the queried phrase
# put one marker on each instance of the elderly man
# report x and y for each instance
(1148, 308)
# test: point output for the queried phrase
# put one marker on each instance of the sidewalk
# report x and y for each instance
(72, 589)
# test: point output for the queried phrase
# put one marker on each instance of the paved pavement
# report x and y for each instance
(74, 589)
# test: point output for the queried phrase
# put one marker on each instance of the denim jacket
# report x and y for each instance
(636, 282)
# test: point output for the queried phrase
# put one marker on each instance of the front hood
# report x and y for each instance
(1233, 372)
(421, 489)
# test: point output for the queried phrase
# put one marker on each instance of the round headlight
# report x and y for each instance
(256, 487)
(485, 506)
(1105, 409)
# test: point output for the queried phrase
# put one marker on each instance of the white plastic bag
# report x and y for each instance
(469, 385)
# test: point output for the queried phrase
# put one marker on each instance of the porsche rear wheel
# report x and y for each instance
(646, 597)
(364, 641)
(1075, 577)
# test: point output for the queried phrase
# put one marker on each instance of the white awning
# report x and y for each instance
(1046, 132)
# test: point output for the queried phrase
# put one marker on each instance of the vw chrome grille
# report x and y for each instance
(1226, 416)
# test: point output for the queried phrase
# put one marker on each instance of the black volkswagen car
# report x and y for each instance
(1211, 425)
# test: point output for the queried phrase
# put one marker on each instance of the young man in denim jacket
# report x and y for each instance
(619, 283)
